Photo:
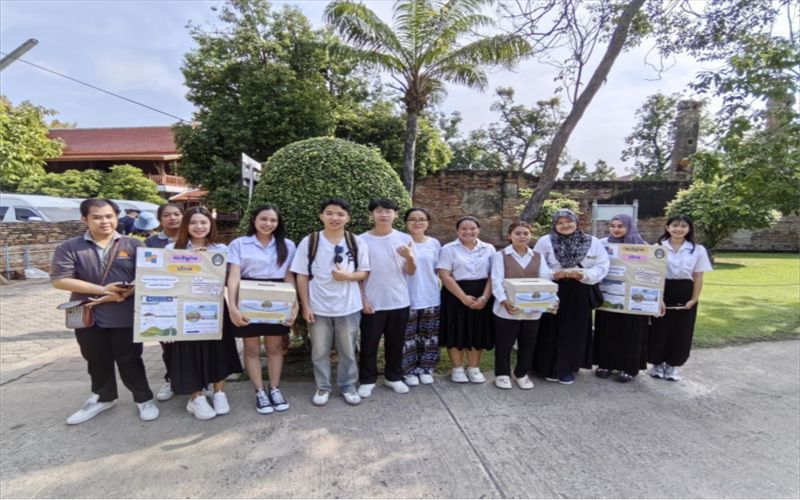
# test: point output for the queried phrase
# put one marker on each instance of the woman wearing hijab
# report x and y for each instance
(577, 261)
(620, 340)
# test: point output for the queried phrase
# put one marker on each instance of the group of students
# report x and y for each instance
(354, 289)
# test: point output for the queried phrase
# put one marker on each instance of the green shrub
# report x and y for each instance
(544, 221)
(299, 176)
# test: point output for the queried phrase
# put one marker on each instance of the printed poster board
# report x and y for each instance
(179, 295)
(635, 280)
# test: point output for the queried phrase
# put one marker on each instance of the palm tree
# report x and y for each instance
(423, 51)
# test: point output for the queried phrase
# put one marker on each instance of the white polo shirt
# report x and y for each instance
(595, 263)
(257, 261)
(423, 285)
(681, 265)
(386, 287)
(328, 297)
(466, 264)
(499, 274)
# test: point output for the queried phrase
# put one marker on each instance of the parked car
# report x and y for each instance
(33, 207)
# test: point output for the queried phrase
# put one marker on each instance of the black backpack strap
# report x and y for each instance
(313, 244)
(352, 247)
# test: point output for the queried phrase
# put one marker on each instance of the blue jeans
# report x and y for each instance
(343, 330)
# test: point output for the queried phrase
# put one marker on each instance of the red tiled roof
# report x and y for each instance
(133, 143)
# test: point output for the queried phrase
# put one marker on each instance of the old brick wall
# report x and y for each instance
(40, 239)
(495, 199)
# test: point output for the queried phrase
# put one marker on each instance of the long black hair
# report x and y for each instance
(279, 233)
(689, 236)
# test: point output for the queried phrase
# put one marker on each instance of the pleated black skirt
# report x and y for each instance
(260, 329)
(564, 344)
(620, 341)
(671, 335)
(464, 328)
(197, 363)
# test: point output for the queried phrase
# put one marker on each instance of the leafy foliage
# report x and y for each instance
(70, 184)
(602, 172)
(24, 144)
(578, 172)
(650, 143)
(127, 182)
(299, 176)
(555, 202)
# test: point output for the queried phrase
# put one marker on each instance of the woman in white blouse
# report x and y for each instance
(511, 324)
(466, 312)
(577, 261)
(671, 335)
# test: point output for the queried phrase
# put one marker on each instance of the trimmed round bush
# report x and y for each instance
(302, 174)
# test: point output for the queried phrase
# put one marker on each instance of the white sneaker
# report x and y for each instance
(673, 373)
(502, 381)
(352, 398)
(321, 397)
(475, 376)
(397, 386)
(459, 376)
(426, 378)
(365, 390)
(200, 408)
(657, 371)
(148, 410)
(524, 382)
(411, 380)
(89, 410)
(165, 393)
(221, 406)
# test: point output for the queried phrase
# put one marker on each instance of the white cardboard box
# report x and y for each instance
(531, 295)
(266, 301)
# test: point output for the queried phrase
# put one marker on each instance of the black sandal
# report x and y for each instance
(602, 373)
(624, 377)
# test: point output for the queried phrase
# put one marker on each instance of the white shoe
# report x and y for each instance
(165, 393)
(503, 381)
(397, 386)
(673, 373)
(209, 391)
(89, 410)
(148, 410)
(352, 398)
(524, 382)
(200, 408)
(426, 379)
(411, 380)
(475, 376)
(459, 376)
(365, 390)
(657, 371)
(221, 406)
(321, 397)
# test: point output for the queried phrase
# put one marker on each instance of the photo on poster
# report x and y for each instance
(266, 311)
(158, 316)
(613, 251)
(645, 300)
(201, 318)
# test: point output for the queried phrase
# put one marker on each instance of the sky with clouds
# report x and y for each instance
(135, 48)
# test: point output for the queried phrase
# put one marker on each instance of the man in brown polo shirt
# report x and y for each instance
(79, 265)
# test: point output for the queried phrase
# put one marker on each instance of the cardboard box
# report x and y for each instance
(266, 301)
(531, 295)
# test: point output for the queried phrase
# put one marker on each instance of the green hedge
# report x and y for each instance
(299, 176)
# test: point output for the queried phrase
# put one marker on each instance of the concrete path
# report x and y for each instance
(731, 430)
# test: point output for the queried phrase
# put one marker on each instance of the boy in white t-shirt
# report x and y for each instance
(386, 299)
(329, 264)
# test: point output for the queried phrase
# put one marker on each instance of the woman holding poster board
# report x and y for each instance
(578, 261)
(511, 324)
(620, 340)
(264, 255)
(671, 335)
(197, 363)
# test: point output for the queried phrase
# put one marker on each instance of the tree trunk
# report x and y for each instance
(550, 169)
(409, 151)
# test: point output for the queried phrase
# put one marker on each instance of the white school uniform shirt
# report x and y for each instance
(681, 265)
(499, 274)
(595, 263)
(328, 297)
(466, 264)
(214, 247)
(386, 287)
(257, 261)
(423, 285)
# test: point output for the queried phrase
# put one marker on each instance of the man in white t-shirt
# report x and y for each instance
(386, 299)
(329, 264)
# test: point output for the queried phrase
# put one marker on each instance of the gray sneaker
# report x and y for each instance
(657, 371)
(673, 373)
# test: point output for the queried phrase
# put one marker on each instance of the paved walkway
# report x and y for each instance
(731, 430)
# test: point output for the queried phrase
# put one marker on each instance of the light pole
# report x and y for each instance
(17, 53)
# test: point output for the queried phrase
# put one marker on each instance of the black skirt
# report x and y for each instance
(260, 329)
(461, 327)
(197, 363)
(564, 344)
(620, 341)
(671, 335)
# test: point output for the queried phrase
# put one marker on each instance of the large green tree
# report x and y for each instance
(70, 184)
(650, 143)
(24, 144)
(429, 45)
(127, 182)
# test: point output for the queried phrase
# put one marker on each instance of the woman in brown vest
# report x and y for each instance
(517, 260)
